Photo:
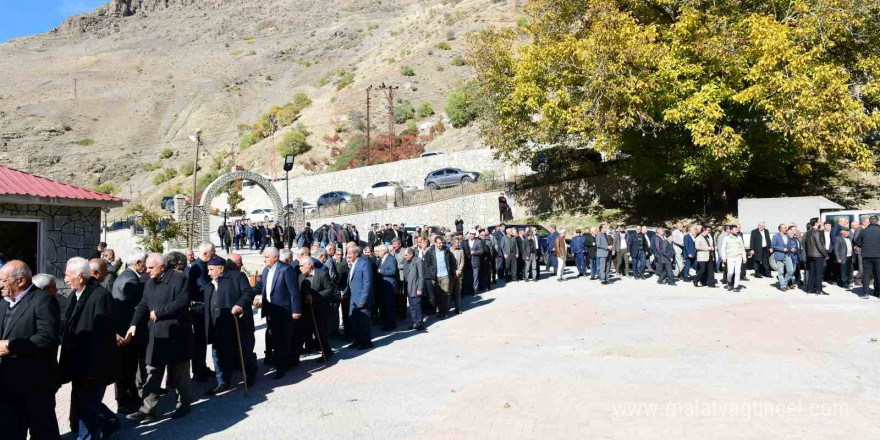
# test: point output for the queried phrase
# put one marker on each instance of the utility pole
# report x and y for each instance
(391, 90)
(368, 118)
(197, 138)
(273, 126)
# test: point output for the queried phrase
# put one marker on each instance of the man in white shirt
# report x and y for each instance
(843, 252)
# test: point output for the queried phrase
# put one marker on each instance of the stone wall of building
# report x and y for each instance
(67, 232)
(411, 172)
(477, 209)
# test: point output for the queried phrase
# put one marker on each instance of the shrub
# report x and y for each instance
(450, 34)
(425, 110)
(344, 81)
(461, 104)
(86, 142)
(356, 118)
(522, 22)
(284, 115)
(344, 157)
(301, 101)
(407, 71)
(151, 166)
(444, 46)
(252, 52)
(324, 80)
(187, 169)
(106, 188)
(247, 141)
(166, 153)
(403, 111)
(293, 142)
(164, 176)
(459, 60)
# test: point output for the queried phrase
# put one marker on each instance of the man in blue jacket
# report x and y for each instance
(282, 307)
(360, 285)
(550, 261)
(578, 249)
(689, 253)
(387, 287)
(784, 252)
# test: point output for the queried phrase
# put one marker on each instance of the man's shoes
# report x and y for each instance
(181, 412)
(388, 328)
(605, 283)
(220, 388)
(419, 327)
(123, 409)
(321, 360)
(279, 375)
(456, 311)
(268, 360)
(738, 289)
(141, 417)
(824, 292)
(671, 283)
(442, 316)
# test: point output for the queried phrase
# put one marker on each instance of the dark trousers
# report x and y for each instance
(706, 272)
(761, 262)
(689, 263)
(313, 322)
(551, 261)
(360, 323)
(442, 287)
(226, 358)
(94, 416)
(845, 271)
(512, 268)
(386, 306)
(345, 305)
(178, 378)
(280, 326)
(815, 267)
(870, 271)
(580, 262)
(132, 375)
(475, 277)
(621, 263)
(400, 301)
(236, 240)
(34, 411)
(468, 279)
(200, 342)
(638, 264)
(665, 272)
(497, 267)
(415, 309)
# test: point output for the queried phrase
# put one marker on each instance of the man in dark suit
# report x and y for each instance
(869, 243)
(760, 250)
(468, 276)
(29, 329)
(359, 291)
(282, 306)
(113, 266)
(165, 305)
(665, 258)
(317, 291)
(550, 259)
(815, 250)
(197, 279)
(522, 254)
(440, 267)
(127, 293)
(414, 277)
(387, 287)
(228, 298)
(223, 234)
(89, 353)
(477, 247)
(689, 253)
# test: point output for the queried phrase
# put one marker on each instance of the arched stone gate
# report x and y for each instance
(204, 208)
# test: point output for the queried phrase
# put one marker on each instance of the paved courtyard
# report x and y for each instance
(577, 360)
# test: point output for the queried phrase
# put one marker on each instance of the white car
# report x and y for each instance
(384, 189)
(262, 215)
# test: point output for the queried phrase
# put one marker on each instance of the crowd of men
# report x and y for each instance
(133, 327)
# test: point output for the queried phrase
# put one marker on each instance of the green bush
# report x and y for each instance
(461, 105)
(301, 101)
(425, 110)
(407, 71)
(166, 153)
(293, 142)
(187, 169)
(106, 188)
(403, 111)
(459, 60)
(324, 80)
(247, 141)
(164, 176)
(444, 46)
(86, 142)
(343, 161)
(344, 81)
(151, 166)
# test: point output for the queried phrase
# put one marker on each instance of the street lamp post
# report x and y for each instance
(288, 165)
(106, 211)
(197, 138)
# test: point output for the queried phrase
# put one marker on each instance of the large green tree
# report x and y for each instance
(728, 94)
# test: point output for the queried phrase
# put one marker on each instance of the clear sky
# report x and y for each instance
(19, 18)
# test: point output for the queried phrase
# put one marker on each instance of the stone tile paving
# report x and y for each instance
(578, 360)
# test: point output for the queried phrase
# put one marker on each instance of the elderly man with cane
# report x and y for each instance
(317, 291)
(229, 324)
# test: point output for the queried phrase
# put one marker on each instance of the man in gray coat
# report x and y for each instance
(414, 279)
(603, 249)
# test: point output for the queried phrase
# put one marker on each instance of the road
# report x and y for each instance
(576, 360)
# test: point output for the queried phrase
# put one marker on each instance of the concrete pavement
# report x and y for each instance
(574, 360)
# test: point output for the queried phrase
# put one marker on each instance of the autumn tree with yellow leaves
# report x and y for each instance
(731, 94)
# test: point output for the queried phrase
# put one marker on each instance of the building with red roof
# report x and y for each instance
(44, 222)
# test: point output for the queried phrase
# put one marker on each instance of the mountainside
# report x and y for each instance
(98, 99)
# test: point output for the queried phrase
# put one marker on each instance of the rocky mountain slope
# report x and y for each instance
(99, 98)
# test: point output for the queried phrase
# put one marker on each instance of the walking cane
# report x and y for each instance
(317, 333)
(241, 354)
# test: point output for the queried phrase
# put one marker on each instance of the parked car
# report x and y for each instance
(447, 177)
(557, 157)
(307, 207)
(431, 153)
(262, 215)
(168, 203)
(333, 198)
(384, 189)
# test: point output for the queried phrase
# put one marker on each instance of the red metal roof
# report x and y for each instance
(15, 182)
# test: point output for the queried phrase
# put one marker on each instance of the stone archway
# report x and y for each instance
(264, 183)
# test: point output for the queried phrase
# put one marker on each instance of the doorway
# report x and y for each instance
(20, 240)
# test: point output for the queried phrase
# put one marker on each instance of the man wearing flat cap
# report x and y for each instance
(228, 297)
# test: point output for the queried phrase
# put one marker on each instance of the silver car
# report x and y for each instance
(447, 177)
(333, 198)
